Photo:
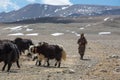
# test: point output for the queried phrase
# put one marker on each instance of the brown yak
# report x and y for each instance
(49, 52)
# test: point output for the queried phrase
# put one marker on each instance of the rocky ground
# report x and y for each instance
(101, 60)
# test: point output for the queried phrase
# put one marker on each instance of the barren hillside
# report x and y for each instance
(101, 60)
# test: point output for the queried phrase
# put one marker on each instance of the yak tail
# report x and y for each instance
(63, 55)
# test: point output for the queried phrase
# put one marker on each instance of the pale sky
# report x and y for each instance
(8, 5)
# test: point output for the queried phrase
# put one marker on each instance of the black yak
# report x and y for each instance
(9, 54)
(82, 45)
(48, 52)
(23, 44)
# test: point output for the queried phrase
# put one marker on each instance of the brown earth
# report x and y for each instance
(101, 60)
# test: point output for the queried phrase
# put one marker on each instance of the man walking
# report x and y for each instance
(82, 45)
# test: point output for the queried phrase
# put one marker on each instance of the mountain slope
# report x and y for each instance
(33, 11)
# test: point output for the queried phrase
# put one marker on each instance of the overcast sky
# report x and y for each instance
(8, 5)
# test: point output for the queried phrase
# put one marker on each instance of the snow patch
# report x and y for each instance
(45, 7)
(13, 28)
(32, 34)
(16, 34)
(73, 32)
(104, 33)
(47, 15)
(88, 25)
(17, 28)
(77, 34)
(106, 18)
(57, 10)
(82, 28)
(57, 34)
(28, 29)
(21, 34)
(64, 8)
(26, 26)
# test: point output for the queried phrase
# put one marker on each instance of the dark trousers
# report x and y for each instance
(81, 51)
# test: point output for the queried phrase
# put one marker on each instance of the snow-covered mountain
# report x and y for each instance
(33, 11)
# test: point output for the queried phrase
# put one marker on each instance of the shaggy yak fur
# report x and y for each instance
(9, 54)
(23, 44)
(48, 52)
(35, 56)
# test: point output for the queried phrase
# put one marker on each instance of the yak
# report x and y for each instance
(9, 54)
(50, 52)
(23, 44)
(35, 56)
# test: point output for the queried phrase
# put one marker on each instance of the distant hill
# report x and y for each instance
(39, 11)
